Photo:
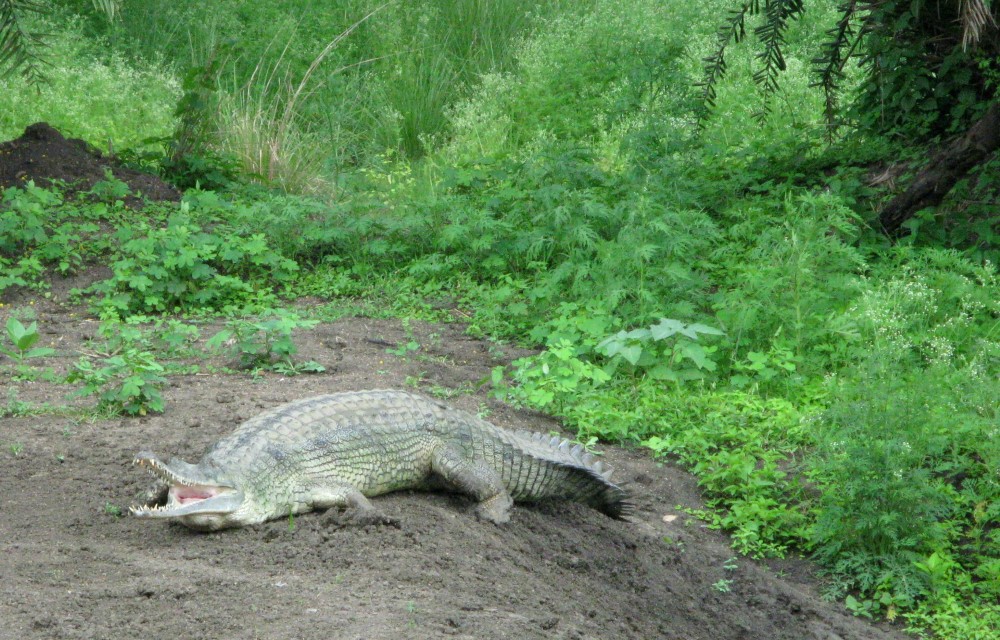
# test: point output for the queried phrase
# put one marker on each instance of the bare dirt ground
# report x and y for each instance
(73, 568)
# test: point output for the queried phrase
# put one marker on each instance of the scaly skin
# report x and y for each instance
(337, 450)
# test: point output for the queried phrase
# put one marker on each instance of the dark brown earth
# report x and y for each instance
(42, 154)
(71, 566)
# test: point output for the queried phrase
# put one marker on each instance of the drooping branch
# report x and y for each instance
(733, 30)
(836, 51)
(772, 35)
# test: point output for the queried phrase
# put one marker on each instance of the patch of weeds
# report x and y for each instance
(15, 408)
(668, 350)
(740, 447)
(445, 393)
(550, 378)
(677, 544)
(581, 357)
(415, 381)
(412, 347)
(27, 373)
(16, 448)
(167, 336)
(128, 382)
(112, 510)
(182, 267)
(265, 343)
(495, 349)
(404, 350)
(760, 368)
(436, 390)
(723, 586)
(111, 190)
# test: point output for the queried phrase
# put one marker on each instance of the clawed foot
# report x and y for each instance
(495, 509)
(357, 517)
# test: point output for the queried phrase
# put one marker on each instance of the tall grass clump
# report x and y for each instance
(262, 124)
(386, 87)
(433, 53)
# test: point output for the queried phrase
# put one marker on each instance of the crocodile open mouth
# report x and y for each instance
(186, 496)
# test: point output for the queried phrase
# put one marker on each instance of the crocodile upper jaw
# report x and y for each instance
(197, 502)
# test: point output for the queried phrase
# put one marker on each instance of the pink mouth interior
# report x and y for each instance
(185, 495)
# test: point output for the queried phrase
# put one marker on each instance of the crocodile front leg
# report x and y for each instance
(358, 510)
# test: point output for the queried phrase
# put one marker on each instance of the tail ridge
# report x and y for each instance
(596, 488)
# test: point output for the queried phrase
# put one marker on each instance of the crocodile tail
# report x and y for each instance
(584, 477)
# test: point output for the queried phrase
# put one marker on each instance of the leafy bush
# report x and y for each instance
(38, 230)
(266, 343)
(128, 382)
(907, 464)
(181, 267)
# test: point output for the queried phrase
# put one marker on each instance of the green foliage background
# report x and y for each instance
(720, 295)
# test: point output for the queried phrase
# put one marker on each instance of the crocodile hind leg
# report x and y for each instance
(473, 477)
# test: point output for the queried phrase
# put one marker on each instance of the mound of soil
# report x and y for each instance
(42, 154)
(75, 565)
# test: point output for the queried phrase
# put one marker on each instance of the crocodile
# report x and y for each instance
(338, 450)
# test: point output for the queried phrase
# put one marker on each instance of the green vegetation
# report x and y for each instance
(22, 340)
(128, 382)
(714, 286)
(265, 343)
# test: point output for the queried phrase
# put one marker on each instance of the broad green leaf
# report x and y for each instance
(666, 328)
(707, 330)
(15, 329)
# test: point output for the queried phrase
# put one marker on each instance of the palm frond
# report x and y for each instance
(17, 44)
(733, 30)
(975, 17)
(110, 8)
(772, 35)
(835, 52)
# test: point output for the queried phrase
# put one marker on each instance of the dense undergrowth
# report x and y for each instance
(717, 295)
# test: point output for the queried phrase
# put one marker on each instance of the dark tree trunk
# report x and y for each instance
(949, 166)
